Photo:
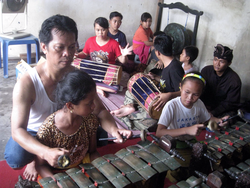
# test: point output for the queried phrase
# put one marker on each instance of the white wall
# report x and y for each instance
(224, 21)
(84, 12)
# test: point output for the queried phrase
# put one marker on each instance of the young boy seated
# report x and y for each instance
(142, 40)
(115, 21)
(169, 80)
(188, 55)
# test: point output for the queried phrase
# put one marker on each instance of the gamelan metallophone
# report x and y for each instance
(232, 140)
(142, 165)
(230, 151)
(236, 176)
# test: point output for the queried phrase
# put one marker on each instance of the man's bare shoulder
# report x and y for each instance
(24, 88)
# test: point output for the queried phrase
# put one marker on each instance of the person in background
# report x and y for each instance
(115, 21)
(169, 80)
(188, 55)
(153, 64)
(102, 48)
(142, 40)
(33, 98)
(183, 118)
(223, 89)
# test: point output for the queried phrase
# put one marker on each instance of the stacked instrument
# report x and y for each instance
(236, 176)
(142, 165)
(228, 152)
(234, 140)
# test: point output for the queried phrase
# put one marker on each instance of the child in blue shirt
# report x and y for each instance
(115, 21)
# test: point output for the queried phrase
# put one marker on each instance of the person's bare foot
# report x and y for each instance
(30, 172)
(124, 110)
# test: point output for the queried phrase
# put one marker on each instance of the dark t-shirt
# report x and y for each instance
(222, 93)
(153, 56)
(120, 38)
(171, 77)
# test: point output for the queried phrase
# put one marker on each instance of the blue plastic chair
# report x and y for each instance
(7, 42)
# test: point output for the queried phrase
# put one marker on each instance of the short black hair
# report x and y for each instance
(192, 52)
(115, 14)
(223, 52)
(145, 16)
(74, 87)
(159, 33)
(103, 22)
(163, 44)
(61, 23)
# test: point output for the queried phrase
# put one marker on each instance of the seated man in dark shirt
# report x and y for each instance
(223, 87)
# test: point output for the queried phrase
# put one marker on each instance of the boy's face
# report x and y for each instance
(115, 23)
(184, 57)
(147, 23)
(157, 54)
(220, 65)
